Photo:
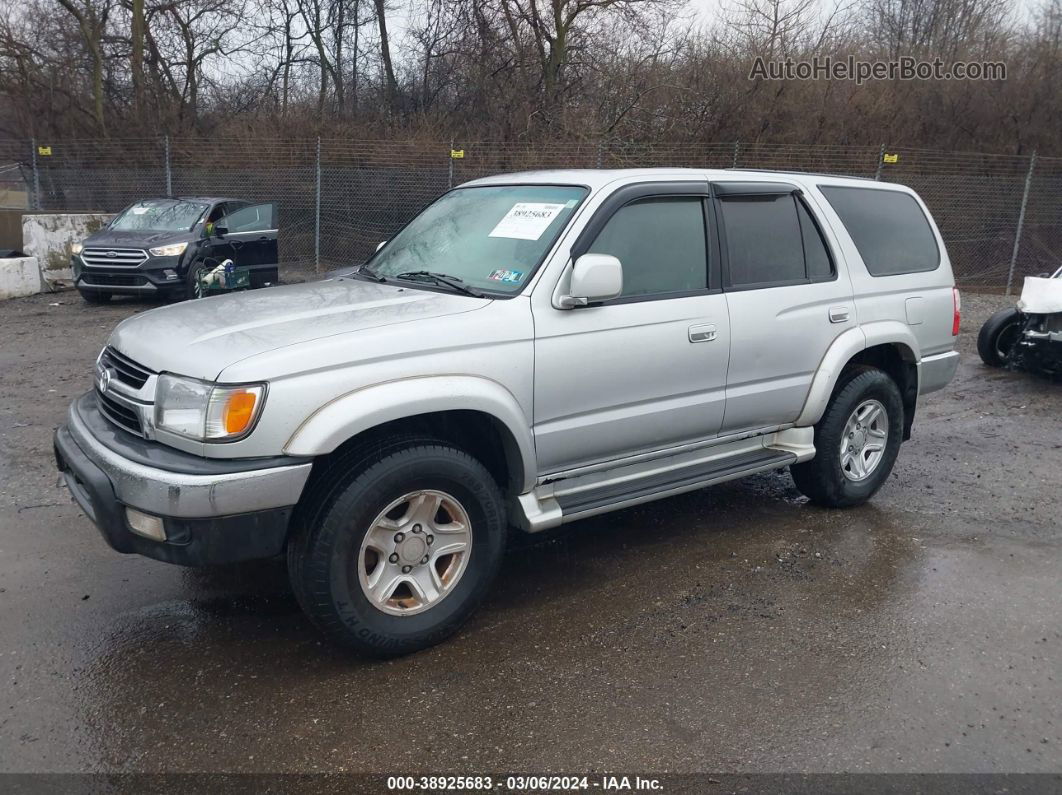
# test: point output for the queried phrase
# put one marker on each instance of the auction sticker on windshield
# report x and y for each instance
(527, 220)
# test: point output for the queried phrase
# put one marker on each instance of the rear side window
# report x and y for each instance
(771, 239)
(888, 227)
(660, 243)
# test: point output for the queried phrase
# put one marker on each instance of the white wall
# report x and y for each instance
(48, 237)
(19, 276)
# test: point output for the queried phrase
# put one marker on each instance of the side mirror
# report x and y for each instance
(381, 244)
(220, 231)
(595, 277)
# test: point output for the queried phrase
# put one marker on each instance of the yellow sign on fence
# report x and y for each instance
(457, 154)
(44, 151)
(887, 158)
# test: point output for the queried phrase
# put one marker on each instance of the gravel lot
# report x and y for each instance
(732, 629)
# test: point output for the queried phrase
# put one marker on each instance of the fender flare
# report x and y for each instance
(842, 350)
(362, 409)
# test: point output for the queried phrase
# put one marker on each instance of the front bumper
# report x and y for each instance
(146, 279)
(213, 511)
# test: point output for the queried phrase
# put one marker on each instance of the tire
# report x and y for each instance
(826, 480)
(95, 296)
(997, 336)
(193, 289)
(331, 562)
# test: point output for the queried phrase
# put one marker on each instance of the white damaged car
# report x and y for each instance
(1030, 334)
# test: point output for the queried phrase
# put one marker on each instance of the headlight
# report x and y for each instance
(75, 248)
(204, 411)
(169, 251)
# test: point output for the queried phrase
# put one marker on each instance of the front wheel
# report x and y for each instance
(394, 554)
(856, 442)
(194, 280)
(998, 336)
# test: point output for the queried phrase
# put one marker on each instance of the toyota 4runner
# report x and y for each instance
(530, 350)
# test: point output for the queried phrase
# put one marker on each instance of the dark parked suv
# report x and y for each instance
(162, 246)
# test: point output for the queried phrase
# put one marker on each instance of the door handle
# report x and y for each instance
(702, 333)
(838, 314)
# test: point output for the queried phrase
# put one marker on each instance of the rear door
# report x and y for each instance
(645, 371)
(788, 300)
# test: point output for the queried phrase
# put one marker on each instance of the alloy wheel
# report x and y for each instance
(415, 552)
(863, 442)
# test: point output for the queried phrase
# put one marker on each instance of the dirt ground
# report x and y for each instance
(736, 628)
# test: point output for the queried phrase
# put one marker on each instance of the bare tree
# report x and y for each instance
(92, 17)
(390, 82)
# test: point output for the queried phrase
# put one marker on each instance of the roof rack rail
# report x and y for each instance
(805, 173)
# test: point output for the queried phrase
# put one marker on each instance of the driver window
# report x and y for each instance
(212, 218)
(252, 218)
(660, 243)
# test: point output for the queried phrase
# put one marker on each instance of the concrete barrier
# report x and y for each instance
(49, 238)
(19, 276)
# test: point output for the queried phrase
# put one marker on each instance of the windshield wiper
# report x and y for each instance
(454, 283)
(369, 273)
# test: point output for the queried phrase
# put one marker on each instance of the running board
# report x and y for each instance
(667, 483)
(564, 501)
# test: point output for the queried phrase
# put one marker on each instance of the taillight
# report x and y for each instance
(956, 304)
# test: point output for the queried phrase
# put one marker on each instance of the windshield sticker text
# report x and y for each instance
(527, 220)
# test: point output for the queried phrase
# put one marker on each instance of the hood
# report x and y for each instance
(201, 338)
(134, 238)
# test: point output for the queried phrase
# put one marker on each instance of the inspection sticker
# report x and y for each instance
(527, 220)
(512, 277)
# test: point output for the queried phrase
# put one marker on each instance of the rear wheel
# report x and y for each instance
(856, 442)
(393, 554)
(998, 336)
(95, 296)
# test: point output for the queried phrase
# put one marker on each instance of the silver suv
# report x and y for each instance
(530, 350)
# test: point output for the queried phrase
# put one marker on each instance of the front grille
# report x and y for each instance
(112, 257)
(127, 371)
(113, 280)
(118, 413)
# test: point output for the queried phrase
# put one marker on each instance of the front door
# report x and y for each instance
(786, 298)
(645, 371)
(247, 236)
(251, 232)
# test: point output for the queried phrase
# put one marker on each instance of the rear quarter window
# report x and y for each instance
(888, 227)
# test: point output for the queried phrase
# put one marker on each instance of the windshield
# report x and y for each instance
(491, 238)
(160, 215)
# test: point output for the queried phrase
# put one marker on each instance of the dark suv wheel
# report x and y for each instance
(856, 441)
(396, 546)
(193, 287)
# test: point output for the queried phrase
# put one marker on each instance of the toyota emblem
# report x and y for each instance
(105, 380)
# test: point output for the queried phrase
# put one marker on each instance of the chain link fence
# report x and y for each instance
(1000, 215)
